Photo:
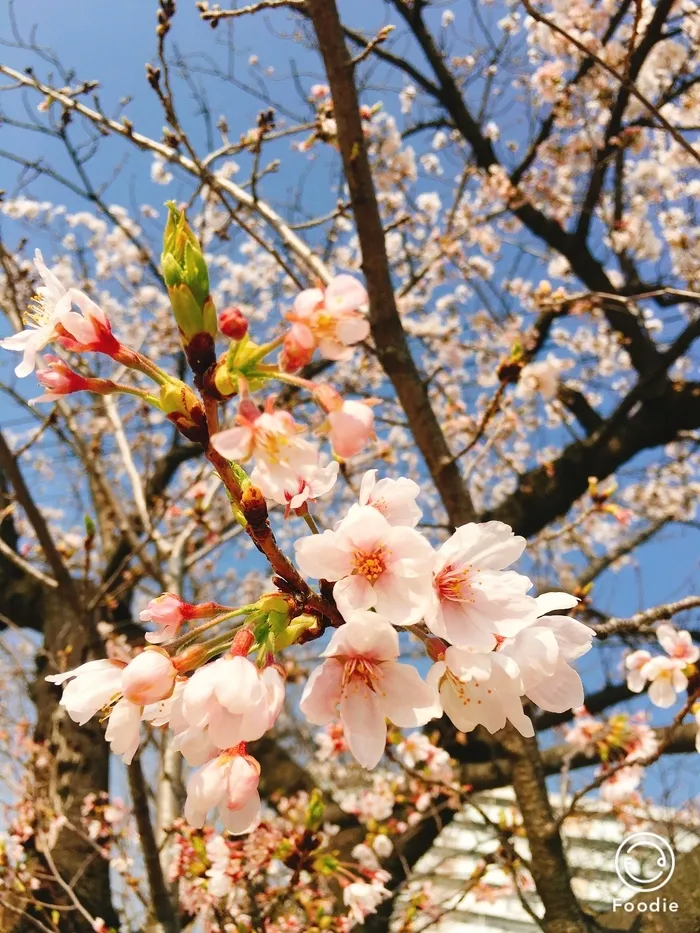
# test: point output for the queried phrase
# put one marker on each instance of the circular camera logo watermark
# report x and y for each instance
(644, 862)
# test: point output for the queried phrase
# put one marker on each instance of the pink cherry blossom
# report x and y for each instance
(59, 379)
(363, 899)
(169, 611)
(362, 682)
(666, 680)
(473, 597)
(98, 685)
(294, 485)
(51, 318)
(330, 317)
(374, 564)
(394, 498)
(542, 377)
(634, 665)
(149, 678)
(621, 784)
(677, 645)
(351, 427)
(89, 688)
(234, 700)
(124, 729)
(229, 784)
(480, 688)
(269, 435)
(543, 652)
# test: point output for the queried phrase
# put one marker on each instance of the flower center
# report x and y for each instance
(371, 564)
(360, 669)
(453, 583)
(39, 313)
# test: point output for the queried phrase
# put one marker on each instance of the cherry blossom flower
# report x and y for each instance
(666, 680)
(60, 380)
(543, 650)
(363, 899)
(621, 784)
(394, 498)
(169, 611)
(270, 436)
(149, 677)
(375, 565)
(97, 685)
(542, 377)
(292, 486)
(51, 318)
(362, 682)
(635, 664)
(677, 645)
(89, 688)
(480, 688)
(351, 427)
(229, 784)
(474, 598)
(330, 317)
(234, 700)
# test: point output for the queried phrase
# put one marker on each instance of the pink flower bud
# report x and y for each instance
(150, 677)
(298, 349)
(352, 425)
(167, 609)
(328, 398)
(60, 379)
(233, 323)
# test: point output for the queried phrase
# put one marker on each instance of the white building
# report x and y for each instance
(453, 864)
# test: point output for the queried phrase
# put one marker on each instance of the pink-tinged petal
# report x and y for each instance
(573, 637)
(323, 556)
(244, 820)
(195, 746)
(636, 681)
(351, 428)
(363, 722)
(405, 698)
(322, 693)
(332, 349)
(206, 787)
(367, 484)
(487, 546)
(554, 602)
(365, 529)
(351, 329)
(238, 685)
(662, 694)
(225, 729)
(353, 593)
(124, 730)
(242, 782)
(403, 601)
(559, 692)
(197, 695)
(344, 293)
(306, 302)
(449, 620)
(234, 444)
(273, 683)
(368, 635)
(88, 308)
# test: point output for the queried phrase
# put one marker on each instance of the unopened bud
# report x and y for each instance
(254, 506)
(187, 278)
(233, 323)
(149, 678)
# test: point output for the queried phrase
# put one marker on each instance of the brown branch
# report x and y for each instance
(392, 347)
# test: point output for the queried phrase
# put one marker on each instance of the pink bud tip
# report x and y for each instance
(233, 323)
